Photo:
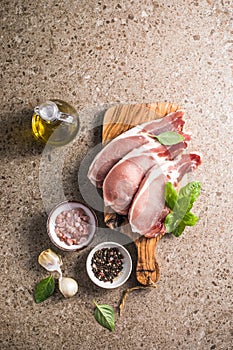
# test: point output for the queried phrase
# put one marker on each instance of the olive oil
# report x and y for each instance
(55, 122)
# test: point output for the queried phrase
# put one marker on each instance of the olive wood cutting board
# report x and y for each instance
(117, 120)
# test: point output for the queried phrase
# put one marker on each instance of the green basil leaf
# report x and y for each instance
(179, 229)
(182, 206)
(44, 289)
(105, 316)
(169, 138)
(180, 216)
(170, 195)
(190, 219)
(192, 191)
(171, 222)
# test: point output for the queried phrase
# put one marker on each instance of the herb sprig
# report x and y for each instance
(180, 204)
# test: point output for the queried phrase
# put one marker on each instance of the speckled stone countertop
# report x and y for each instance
(95, 54)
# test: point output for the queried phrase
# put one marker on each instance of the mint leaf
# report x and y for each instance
(170, 195)
(190, 219)
(44, 289)
(105, 316)
(192, 191)
(169, 138)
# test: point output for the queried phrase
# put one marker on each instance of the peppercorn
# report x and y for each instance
(107, 264)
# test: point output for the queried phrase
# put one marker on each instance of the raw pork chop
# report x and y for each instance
(148, 211)
(129, 140)
(123, 180)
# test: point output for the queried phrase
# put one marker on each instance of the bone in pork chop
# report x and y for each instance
(123, 180)
(129, 140)
(147, 212)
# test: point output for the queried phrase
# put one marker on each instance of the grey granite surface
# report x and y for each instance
(95, 54)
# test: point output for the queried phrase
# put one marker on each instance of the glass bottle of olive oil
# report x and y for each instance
(55, 122)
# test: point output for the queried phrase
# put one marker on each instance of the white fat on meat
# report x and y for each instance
(129, 140)
(148, 211)
(123, 180)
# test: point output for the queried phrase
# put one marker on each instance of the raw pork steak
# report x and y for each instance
(131, 139)
(148, 211)
(123, 180)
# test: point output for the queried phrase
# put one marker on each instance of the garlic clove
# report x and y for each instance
(50, 261)
(68, 286)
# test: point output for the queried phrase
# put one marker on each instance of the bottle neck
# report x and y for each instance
(49, 112)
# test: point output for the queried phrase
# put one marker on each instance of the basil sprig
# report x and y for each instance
(180, 204)
(105, 316)
(44, 289)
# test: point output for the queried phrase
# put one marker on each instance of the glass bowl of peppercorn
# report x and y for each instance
(109, 265)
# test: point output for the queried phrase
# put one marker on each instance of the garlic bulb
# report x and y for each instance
(50, 261)
(68, 286)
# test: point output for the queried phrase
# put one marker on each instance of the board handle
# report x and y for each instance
(147, 270)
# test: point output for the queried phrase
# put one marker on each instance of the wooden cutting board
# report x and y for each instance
(117, 120)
